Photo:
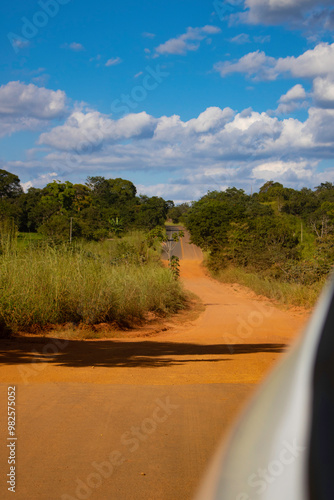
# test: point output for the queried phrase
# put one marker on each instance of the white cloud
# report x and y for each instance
(216, 149)
(323, 92)
(305, 14)
(312, 63)
(214, 135)
(39, 181)
(241, 39)
(179, 193)
(292, 100)
(19, 99)
(146, 34)
(296, 92)
(189, 41)
(74, 46)
(86, 132)
(27, 107)
(285, 170)
(113, 61)
(211, 119)
(256, 64)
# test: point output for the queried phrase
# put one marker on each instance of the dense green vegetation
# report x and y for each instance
(92, 211)
(279, 234)
(91, 252)
(82, 253)
(118, 281)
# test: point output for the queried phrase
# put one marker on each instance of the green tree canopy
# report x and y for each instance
(10, 186)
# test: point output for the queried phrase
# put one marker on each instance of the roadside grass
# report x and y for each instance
(117, 281)
(290, 294)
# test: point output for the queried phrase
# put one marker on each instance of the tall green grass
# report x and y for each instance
(88, 283)
(291, 294)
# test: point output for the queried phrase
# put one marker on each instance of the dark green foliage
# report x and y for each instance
(266, 232)
(210, 219)
(303, 203)
(152, 212)
(279, 231)
(177, 212)
(100, 209)
(56, 228)
(10, 186)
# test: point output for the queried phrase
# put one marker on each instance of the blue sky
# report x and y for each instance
(180, 97)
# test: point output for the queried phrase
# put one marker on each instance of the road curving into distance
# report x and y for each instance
(183, 249)
(140, 417)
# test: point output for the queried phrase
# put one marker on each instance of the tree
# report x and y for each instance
(82, 197)
(152, 212)
(209, 219)
(107, 192)
(29, 219)
(56, 228)
(176, 212)
(10, 186)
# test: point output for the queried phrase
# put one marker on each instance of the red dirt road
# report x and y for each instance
(138, 418)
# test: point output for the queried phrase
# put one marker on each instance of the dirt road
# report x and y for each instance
(181, 248)
(138, 418)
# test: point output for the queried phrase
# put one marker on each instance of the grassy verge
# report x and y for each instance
(117, 281)
(291, 294)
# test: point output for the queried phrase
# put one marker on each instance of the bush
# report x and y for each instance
(61, 284)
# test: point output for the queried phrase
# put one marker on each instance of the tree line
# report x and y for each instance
(280, 232)
(93, 210)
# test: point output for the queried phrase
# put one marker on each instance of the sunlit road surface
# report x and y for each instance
(136, 418)
(183, 248)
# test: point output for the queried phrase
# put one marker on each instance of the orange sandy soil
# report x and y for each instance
(235, 337)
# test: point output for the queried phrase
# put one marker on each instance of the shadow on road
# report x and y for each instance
(108, 353)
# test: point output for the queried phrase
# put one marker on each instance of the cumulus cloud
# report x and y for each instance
(39, 181)
(188, 41)
(286, 170)
(254, 64)
(216, 149)
(179, 192)
(19, 99)
(216, 134)
(323, 92)
(312, 63)
(86, 132)
(27, 107)
(292, 100)
(296, 13)
(211, 119)
(296, 92)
